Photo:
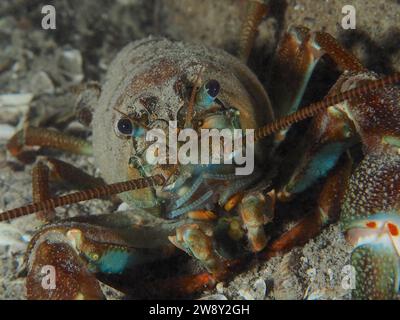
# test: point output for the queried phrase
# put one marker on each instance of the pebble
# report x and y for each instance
(15, 99)
(246, 294)
(6, 131)
(260, 289)
(3, 156)
(123, 206)
(257, 292)
(71, 64)
(41, 83)
(311, 272)
(220, 287)
(11, 236)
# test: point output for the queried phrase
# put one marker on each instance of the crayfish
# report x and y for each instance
(216, 216)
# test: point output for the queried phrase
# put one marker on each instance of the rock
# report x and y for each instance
(15, 99)
(123, 206)
(260, 289)
(256, 292)
(13, 105)
(41, 83)
(11, 236)
(6, 131)
(71, 64)
(220, 287)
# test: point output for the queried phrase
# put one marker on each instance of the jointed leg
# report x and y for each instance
(215, 242)
(331, 132)
(255, 13)
(40, 189)
(327, 210)
(194, 240)
(41, 137)
(256, 210)
(79, 249)
(49, 169)
(296, 57)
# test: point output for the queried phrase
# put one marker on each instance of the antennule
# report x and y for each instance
(317, 107)
(94, 193)
(196, 86)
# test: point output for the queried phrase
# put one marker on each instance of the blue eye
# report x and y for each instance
(125, 126)
(212, 88)
(207, 94)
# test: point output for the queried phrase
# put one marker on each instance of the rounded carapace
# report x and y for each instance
(149, 84)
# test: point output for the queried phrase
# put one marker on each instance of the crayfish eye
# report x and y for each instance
(125, 126)
(212, 88)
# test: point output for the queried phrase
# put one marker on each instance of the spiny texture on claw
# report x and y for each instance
(370, 213)
(374, 187)
(377, 272)
(72, 280)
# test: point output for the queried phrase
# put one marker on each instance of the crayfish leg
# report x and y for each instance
(295, 59)
(256, 11)
(329, 135)
(49, 169)
(327, 211)
(256, 210)
(196, 241)
(22, 141)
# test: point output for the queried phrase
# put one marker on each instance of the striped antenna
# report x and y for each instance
(317, 107)
(94, 193)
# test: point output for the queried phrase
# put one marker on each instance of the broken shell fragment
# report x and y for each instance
(6, 131)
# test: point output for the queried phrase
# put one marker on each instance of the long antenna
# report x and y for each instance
(317, 107)
(196, 86)
(94, 193)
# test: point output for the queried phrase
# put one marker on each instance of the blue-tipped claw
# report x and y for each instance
(376, 257)
(207, 94)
